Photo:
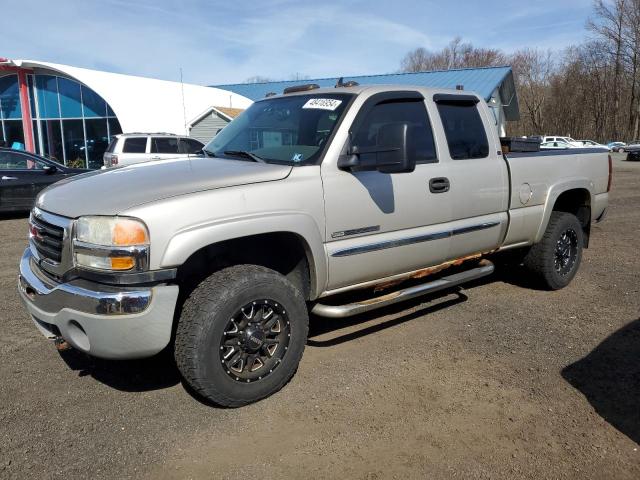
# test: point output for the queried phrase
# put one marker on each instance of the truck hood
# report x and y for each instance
(109, 192)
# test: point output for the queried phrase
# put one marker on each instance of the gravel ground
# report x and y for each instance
(497, 381)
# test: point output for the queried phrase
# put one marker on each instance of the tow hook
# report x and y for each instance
(61, 344)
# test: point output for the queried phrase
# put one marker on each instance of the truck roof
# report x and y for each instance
(372, 89)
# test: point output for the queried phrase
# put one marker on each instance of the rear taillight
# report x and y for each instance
(610, 174)
(114, 159)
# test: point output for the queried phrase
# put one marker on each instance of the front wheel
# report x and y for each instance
(556, 258)
(241, 335)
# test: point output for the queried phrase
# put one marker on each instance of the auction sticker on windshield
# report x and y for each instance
(323, 103)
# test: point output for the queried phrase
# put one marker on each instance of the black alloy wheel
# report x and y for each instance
(255, 341)
(566, 252)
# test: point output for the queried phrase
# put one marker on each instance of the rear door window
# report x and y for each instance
(135, 145)
(465, 132)
(164, 145)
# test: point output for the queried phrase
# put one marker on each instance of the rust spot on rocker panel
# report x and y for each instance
(425, 272)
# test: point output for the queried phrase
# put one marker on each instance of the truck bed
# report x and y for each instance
(538, 178)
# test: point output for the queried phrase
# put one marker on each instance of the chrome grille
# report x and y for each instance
(49, 241)
(47, 238)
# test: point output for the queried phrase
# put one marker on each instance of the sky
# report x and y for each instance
(217, 42)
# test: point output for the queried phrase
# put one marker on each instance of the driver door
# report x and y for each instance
(379, 224)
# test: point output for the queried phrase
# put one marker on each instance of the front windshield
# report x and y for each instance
(292, 130)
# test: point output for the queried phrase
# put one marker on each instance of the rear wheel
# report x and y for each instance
(241, 335)
(556, 258)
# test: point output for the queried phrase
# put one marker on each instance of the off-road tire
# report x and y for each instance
(540, 261)
(201, 328)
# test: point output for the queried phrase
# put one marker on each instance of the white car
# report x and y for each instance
(130, 148)
(555, 146)
(592, 144)
(568, 140)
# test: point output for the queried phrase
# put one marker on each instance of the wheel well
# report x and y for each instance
(578, 203)
(284, 252)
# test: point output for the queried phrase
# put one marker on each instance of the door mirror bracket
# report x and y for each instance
(393, 153)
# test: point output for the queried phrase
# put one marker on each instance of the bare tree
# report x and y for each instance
(532, 70)
(455, 55)
(609, 24)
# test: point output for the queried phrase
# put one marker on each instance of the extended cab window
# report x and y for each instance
(135, 145)
(412, 112)
(464, 130)
(164, 145)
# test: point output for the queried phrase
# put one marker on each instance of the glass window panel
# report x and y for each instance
(190, 146)
(97, 140)
(411, 112)
(19, 161)
(70, 101)
(110, 112)
(464, 130)
(135, 145)
(47, 87)
(52, 140)
(74, 143)
(114, 127)
(10, 97)
(164, 145)
(13, 133)
(94, 105)
(32, 101)
(34, 125)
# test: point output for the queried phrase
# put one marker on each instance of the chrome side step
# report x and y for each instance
(484, 268)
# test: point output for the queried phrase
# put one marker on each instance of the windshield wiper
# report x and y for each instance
(208, 153)
(245, 154)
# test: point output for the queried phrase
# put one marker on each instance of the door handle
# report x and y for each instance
(4, 177)
(439, 185)
(155, 158)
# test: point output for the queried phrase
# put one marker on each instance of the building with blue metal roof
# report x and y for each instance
(494, 84)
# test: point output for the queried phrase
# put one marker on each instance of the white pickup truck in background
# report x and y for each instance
(390, 191)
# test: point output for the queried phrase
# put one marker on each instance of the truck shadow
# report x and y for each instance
(142, 375)
(320, 327)
(160, 372)
(609, 378)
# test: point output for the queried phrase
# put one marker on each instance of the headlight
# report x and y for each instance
(111, 243)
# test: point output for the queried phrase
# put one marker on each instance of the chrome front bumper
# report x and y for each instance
(107, 322)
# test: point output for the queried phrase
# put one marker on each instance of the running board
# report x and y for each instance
(484, 268)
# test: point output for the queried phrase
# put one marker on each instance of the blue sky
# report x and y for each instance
(222, 42)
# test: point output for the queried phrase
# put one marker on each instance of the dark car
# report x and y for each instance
(23, 175)
(633, 146)
(634, 155)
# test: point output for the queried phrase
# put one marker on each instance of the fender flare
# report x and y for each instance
(554, 192)
(188, 241)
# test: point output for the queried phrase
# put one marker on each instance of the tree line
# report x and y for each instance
(589, 91)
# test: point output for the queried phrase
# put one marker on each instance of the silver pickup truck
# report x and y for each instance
(331, 201)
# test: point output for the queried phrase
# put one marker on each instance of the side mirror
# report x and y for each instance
(49, 169)
(397, 154)
(394, 152)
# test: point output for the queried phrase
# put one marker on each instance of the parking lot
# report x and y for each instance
(497, 380)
